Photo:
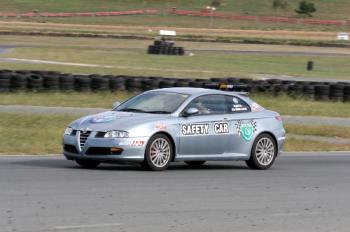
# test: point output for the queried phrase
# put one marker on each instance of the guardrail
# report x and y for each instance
(33, 80)
(233, 16)
(77, 14)
(204, 13)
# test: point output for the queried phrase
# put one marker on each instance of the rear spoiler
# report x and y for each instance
(240, 89)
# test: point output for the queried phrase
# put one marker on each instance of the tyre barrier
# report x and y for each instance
(33, 80)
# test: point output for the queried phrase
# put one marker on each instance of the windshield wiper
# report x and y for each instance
(158, 112)
(132, 110)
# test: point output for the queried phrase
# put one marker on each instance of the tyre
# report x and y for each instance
(87, 163)
(150, 49)
(195, 163)
(263, 152)
(159, 153)
(35, 82)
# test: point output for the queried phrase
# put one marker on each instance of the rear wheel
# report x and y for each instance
(263, 153)
(195, 163)
(159, 152)
(87, 163)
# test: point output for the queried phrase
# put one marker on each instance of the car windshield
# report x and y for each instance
(153, 102)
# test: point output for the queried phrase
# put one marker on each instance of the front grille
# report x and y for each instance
(83, 137)
(70, 148)
(102, 151)
(100, 134)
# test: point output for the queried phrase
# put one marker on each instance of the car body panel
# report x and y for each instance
(197, 137)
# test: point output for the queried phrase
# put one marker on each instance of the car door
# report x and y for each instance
(243, 126)
(207, 132)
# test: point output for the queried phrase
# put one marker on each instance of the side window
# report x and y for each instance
(236, 105)
(209, 104)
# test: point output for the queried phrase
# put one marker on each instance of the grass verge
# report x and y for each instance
(293, 144)
(32, 134)
(129, 58)
(40, 134)
(328, 131)
(283, 104)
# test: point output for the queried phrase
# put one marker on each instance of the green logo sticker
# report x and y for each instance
(247, 131)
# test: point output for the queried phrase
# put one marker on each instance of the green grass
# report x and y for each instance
(73, 99)
(40, 134)
(286, 105)
(328, 131)
(293, 144)
(32, 134)
(130, 58)
(282, 104)
(339, 8)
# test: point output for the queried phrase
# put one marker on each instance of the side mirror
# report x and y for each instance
(116, 104)
(191, 111)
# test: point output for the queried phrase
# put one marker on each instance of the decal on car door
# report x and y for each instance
(246, 129)
(195, 129)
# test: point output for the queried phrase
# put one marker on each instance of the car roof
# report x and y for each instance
(194, 91)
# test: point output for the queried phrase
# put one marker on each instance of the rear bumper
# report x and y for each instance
(133, 149)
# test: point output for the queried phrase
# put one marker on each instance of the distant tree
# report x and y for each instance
(306, 8)
(215, 3)
(279, 4)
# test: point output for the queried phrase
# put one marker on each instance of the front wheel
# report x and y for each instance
(159, 152)
(87, 163)
(263, 153)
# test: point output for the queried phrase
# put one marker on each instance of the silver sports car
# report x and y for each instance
(193, 125)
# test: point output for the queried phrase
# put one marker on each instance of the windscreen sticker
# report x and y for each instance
(104, 117)
(246, 129)
(195, 129)
(238, 107)
(235, 100)
(221, 128)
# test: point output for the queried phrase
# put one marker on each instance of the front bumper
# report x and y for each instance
(133, 149)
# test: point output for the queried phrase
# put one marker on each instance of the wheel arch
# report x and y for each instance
(171, 140)
(273, 137)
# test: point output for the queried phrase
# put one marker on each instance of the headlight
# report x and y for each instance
(68, 131)
(116, 134)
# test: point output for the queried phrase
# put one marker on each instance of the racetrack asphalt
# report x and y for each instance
(301, 192)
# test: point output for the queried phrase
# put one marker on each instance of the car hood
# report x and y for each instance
(114, 120)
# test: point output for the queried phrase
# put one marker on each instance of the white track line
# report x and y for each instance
(53, 62)
(87, 226)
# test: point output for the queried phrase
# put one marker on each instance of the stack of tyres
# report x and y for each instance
(51, 80)
(82, 83)
(276, 89)
(5, 81)
(18, 82)
(99, 83)
(166, 83)
(133, 84)
(309, 91)
(150, 83)
(296, 90)
(35, 82)
(336, 92)
(347, 93)
(66, 82)
(198, 83)
(116, 83)
(182, 83)
(165, 48)
(322, 92)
